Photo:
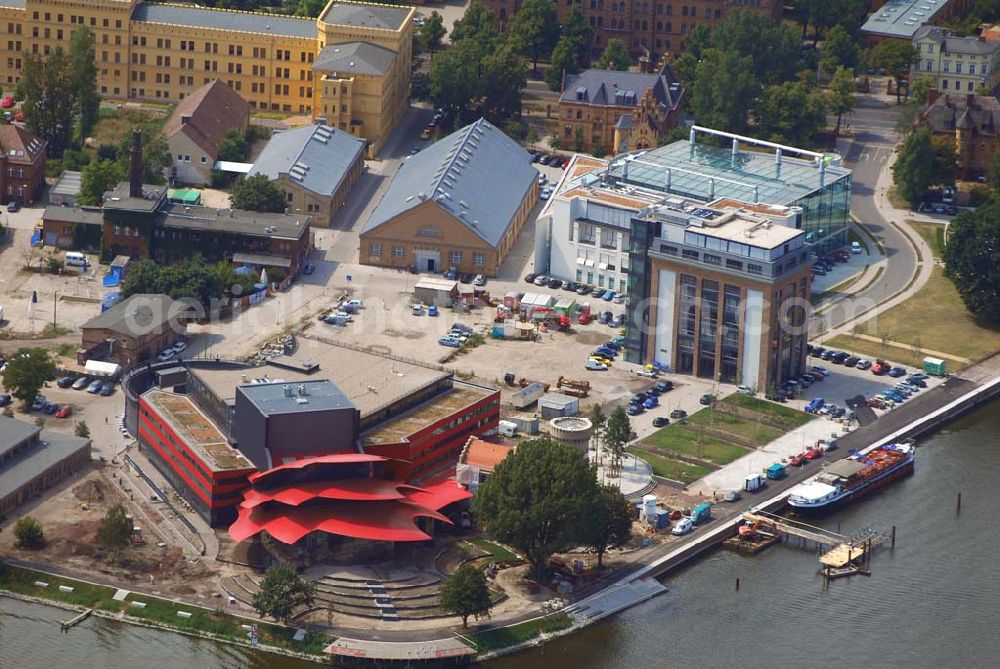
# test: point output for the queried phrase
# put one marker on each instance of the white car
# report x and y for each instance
(480, 280)
(595, 366)
(418, 309)
(166, 355)
(356, 303)
(649, 374)
(856, 247)
(744, 390)
(179, 347)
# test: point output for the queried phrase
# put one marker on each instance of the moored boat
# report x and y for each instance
(853, 477)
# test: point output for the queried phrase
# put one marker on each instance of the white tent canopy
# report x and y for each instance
(101, 368)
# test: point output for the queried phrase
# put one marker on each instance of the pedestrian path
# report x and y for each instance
(926, 351)
(615, 598)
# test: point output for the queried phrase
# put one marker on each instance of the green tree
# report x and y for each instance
(597, 420)
(47, 95)
(914, 168)
(310, 8)
(896, 56)
(841, 93)
(773, 48)
(839, 50)
(615, 56)
(993, 172)
(616, 437)
(115, 530)
(478, 24)
(534, 30)
(27, 371)
(611, 524)
(538, 500)
(29, 533)
(234, 147)
(465, 594)
(281, 592)
(257, 193)
(970, 260)
(696, 43)
(454, 77)
(790, 113)
(82, 64)
(578, 139)
(502, 79)
(433, 31)
(155, 155)
(97, 178)
(724, 88)
(81, 430)
(945, 167)
(572, 51)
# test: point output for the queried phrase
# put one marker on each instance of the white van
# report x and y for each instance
(76, 259)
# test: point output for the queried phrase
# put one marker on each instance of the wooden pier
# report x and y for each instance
(845, 556)
(66, 624)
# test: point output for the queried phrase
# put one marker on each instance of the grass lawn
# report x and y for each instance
(503, 637)
(784, 416)
(162, 611)
(499, 553)
(686, 439)
(758, 433)
(933, 234)
(896, 201)
(669, 468)
(874, 349)
(935, 318)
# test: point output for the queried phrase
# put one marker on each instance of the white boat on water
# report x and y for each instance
(854, 476)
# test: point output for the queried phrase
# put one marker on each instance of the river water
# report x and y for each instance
(932, 601)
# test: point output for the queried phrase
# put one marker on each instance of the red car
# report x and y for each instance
(19, 117)
(64, 411)
(7, 102)
(797, 460)
(814, 454)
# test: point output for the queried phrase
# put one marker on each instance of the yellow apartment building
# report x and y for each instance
(350, 66)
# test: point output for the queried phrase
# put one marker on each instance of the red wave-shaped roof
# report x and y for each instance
(360, 490)
(392, 520)
(440, 495)
(335, 458)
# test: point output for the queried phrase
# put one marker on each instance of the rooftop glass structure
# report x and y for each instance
(748, 170)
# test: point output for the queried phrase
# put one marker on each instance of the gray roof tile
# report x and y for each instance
(324, 156)
(386, 17)
(35, 460)
(601, 87)
(355, 57)
(138, 314)
(224, 19)
(477, 174)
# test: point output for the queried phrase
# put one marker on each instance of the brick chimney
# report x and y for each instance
(135, 165)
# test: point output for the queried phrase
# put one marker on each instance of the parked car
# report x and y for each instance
(608, 295)
(107, 389)
(823, 371)
(814, 405)
(664, 386)
(661, 421)
(50, 408)
(619, 298)
(13, 207)
(530, 278)
(851, 361)
(650, 402)
(480, 280)
(5, 399)
(64, 411)
(449, 341)
(864, 364)
(65, 382)
(95, 386)
(583, 289)
(634, 410)
(7, 102)
(897, 372)
(706, 399)
(541, 280)
(594, 366)
(39, 403)
(919, 383)
(179, 347)
(81, 383)
(571, 286)
(166, 355)
(744, 390)
(856, 248)
(617, 321)
(678, 414)
(555, 284)
(951, 211)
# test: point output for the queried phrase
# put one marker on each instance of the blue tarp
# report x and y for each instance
(113, 278)
(110, 300)
(36, 237)
(244, 270)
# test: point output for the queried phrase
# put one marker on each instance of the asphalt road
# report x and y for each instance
(873, 124)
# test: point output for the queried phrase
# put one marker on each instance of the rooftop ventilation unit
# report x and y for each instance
(286, 389)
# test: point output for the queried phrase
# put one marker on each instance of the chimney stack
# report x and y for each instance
(135, 165)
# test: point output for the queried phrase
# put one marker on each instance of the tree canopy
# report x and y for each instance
(572, 51)
(281, 592)
(615, 56)
(47, 94)
(841, 98)
(539, 500)
(773, 48)
(534, 30)
(616, 435)
(790, 113)
(29, 534)
(896, 56)
(234, 146)
(27, 371)
(970, 260)
(82, 63)
(433, 31)
(724, 88)
(257, 193)
(612, 521)
(97, 178)
(115, 530)
(465, 593)
(189, 279)
(839, 50)
(914, 167)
